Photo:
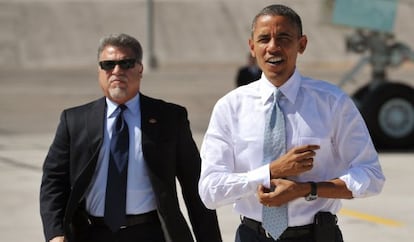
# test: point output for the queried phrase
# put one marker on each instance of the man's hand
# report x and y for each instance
(296, 161)
(284, 192)
(58, 239)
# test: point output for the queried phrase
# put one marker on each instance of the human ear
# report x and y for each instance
(303, 41)
(141, 68)
(251, 47)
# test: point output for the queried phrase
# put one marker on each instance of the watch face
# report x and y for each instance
(311, 197)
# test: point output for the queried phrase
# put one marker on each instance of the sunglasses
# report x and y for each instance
(125, 64)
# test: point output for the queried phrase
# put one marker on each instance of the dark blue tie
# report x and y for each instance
(115, 199)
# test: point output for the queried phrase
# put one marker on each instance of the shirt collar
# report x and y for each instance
(289, 89)
(133, 106)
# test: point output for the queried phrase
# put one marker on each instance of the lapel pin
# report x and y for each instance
(152, 121)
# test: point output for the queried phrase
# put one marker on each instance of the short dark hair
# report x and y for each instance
(123, 41)
(279, 10)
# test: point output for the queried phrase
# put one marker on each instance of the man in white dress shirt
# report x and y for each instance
(330, 155)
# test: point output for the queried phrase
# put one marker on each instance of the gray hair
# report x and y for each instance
(279, 10)
(122, 41)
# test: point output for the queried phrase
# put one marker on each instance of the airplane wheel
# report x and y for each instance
(388, 111)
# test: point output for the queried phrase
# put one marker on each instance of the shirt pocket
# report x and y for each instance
(322, 161)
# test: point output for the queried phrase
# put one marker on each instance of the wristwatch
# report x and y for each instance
(314, 192)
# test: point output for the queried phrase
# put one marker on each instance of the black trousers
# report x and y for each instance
(246, 234)
(146, 232)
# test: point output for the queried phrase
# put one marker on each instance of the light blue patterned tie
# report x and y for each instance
(275, 219)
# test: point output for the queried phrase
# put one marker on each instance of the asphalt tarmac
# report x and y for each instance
(30, 104)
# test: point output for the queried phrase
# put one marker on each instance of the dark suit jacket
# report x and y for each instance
(170, 153)
(245, 75)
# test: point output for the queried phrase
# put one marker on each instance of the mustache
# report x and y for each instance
(118, 78)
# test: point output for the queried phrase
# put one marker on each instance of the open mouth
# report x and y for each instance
(275, 60)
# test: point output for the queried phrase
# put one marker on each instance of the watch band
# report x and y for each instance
(314, 192)
(314, 189)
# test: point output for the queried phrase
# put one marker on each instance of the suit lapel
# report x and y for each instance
(95, 120)
(151, 122)
(150, 119)
(94, 126)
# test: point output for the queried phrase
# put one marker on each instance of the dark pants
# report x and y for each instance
(147, 232)
(246, 234)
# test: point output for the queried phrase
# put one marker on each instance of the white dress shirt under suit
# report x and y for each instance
(140, 196)
(316, 112)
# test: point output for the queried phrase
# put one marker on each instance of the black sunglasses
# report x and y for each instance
(124, 64)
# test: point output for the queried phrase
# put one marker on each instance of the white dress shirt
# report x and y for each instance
(316, 112)
(140, 196)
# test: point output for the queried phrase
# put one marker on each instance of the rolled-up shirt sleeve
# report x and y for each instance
(364, 176)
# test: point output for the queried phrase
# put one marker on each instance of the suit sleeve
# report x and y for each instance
(204, 221)
(55, 184)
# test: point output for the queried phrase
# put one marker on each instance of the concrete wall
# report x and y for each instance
(64, 34)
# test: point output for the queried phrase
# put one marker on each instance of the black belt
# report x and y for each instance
(131, 220)
(290, 232)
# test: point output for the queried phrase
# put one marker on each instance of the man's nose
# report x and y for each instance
(274, 45)
(117, 69)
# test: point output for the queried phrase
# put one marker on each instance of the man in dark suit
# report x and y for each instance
(248, 73)
(77, 172)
